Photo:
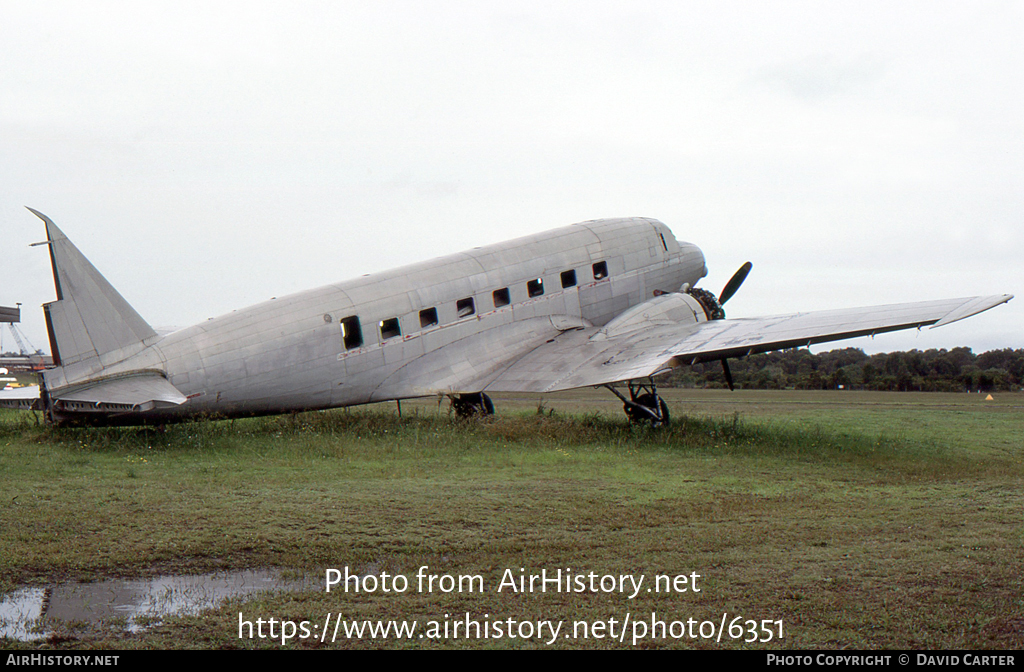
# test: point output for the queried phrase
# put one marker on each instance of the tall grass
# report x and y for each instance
(725, 435)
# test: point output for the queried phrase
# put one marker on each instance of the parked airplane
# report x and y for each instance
(598, 303)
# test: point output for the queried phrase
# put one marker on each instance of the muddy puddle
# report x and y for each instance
(33, 613)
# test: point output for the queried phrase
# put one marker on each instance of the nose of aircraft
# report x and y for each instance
(693, 258)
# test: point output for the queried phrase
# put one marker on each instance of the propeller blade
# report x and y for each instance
(728, 374)
(734, 282)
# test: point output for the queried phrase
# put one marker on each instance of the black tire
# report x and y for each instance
(470, 405)
(651, 401)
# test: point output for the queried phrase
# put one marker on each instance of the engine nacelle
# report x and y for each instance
(664, 310)
(709, 302)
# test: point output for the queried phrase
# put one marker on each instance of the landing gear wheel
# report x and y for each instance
(654, 411)
(470, 405)
(644, 406)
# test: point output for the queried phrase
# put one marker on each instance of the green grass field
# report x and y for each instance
(864, 520)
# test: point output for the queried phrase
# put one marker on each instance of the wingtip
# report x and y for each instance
(971, 307)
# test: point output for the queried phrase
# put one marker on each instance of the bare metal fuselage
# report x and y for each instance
(598, 303)
(292, 354)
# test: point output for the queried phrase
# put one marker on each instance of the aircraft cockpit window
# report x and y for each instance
(501, 297)
(600, 270)
(389, 328)
(428, 317)
(568, 279)
(535, 287)
(351, 334)
(465, 307)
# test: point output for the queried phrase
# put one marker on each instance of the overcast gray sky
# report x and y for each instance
(208, 155)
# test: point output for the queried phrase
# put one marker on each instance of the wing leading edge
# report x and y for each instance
(578, 359)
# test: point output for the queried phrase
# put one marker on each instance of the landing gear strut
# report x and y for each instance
(644, 405)
(469, 405)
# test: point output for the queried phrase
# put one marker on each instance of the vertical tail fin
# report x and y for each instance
(90, 325)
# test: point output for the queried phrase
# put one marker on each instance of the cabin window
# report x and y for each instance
(428, 317)
(465, 307)
(501, 297)
(568, 278)
(389, 328)
(600, 270)
(351, 334)
(535, 287)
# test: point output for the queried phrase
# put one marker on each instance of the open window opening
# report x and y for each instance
(465, 307)
(428, 317)
(535, 287)
(351, 333)
(389, 328)
(600, 270)
(501, 297)
(568, 279)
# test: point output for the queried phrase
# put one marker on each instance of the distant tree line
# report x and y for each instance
(956, 370)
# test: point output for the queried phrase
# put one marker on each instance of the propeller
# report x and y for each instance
(713, 306)
(730, 288)
(734, 282)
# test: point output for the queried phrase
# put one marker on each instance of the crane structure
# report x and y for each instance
(29, 356)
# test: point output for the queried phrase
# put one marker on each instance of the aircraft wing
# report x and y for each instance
(588, 357)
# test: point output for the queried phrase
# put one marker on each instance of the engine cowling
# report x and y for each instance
(663, 310)
(709, 302)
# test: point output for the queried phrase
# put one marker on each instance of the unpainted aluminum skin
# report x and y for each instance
(593, 303)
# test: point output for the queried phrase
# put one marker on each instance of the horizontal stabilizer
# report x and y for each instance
(21, 398)
(137, 391)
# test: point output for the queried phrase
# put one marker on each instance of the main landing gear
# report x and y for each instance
(644, 405)
(471, 405)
